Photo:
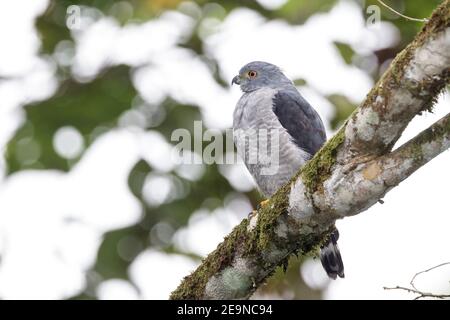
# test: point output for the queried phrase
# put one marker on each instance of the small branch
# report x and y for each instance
(421, 294)
(400, 14)
(401, 163)
(354, 187)
(425, 271)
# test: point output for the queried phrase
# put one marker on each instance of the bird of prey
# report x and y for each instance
(271, 108)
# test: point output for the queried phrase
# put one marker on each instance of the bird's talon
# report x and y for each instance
(251, 214)
(263, 203)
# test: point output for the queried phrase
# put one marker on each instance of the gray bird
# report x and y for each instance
(272, 114)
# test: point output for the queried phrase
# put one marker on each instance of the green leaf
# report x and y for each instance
(298, 11)
(346, 51)
(343, 109)
(118, 250)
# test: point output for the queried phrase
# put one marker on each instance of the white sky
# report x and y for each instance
(43, 256)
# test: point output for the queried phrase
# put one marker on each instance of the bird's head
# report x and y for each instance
(258, 74)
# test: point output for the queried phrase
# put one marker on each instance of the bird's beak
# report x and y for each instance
(236, 80)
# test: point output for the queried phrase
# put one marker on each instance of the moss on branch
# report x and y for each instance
(384, 96)
(193, 286)
(434, 136)
(316, 171)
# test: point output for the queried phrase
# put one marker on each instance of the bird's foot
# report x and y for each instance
(252, 214)
(262, 204)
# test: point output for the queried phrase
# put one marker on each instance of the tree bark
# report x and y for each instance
(351, 172)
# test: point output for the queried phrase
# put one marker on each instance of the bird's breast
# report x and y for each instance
(264, 145)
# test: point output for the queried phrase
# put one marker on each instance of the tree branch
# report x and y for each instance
(351, 172)
(418, 151)
(407, 88)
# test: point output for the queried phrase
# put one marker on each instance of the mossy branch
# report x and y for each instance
(421, 149)
(334, 184)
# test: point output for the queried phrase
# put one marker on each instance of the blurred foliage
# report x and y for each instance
(84, 106)
(415, 9)
(408, 29)
(346, 51)
(95, 107)
(297, 11)
(343, 109)
(288, 284)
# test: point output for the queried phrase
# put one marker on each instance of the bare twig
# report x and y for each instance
(400, 14)
(420, 293)
(425, 271)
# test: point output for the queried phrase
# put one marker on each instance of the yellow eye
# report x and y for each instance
(252, 74)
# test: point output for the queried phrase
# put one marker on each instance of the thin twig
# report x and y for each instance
(400, 14)
(425, 271)
(420, 293)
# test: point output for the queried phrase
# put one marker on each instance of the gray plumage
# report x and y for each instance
(271, 107)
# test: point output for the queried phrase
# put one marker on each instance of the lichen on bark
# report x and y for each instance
(193, 286)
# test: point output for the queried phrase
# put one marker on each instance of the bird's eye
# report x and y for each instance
(252, 74)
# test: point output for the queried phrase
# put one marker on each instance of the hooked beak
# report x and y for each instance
(236, 80)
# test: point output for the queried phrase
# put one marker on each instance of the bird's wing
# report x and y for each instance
(300, 120)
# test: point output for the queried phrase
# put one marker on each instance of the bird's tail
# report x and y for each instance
(331, 257)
